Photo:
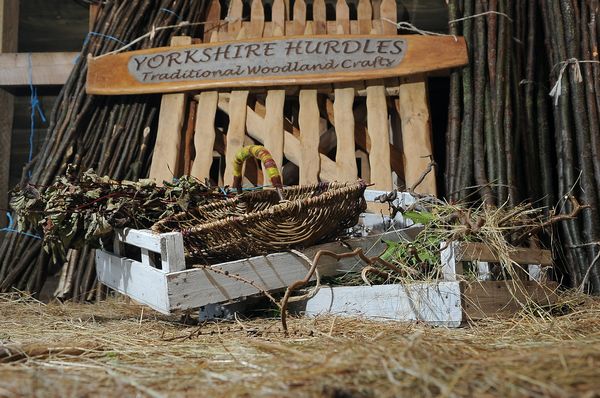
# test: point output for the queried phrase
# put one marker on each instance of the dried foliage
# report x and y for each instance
(76, 210)
(118, 349)
(503, 229)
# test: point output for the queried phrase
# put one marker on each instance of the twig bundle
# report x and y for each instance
(508, 139)
(113, 135)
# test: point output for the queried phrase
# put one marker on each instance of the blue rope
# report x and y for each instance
(12, 230)
(179, 18)
(35, 106)
(96, 34)
(87, 38)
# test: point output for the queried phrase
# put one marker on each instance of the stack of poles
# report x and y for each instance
(508, 139)
(113, 135)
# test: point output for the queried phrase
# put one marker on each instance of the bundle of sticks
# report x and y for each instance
(113, 135)
(524, 115)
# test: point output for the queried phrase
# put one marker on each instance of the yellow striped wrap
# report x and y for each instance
(261, 153)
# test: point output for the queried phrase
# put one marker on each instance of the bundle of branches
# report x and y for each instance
(508, 139)
(86, 209)
(113, 135)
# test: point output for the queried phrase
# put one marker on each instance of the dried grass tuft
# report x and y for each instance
(127, 349)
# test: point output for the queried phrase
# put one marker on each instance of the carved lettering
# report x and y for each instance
(173, 58)
(277, 57)
(398, 45)
(156, 61)
(332, 46)
(139, 62)
(269, 49)
(351, 46)
(189, 56)
(293, 47)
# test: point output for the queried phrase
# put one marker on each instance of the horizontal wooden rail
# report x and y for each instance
(481, 252)
(52, 68)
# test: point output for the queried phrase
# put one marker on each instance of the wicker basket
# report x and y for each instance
(257, 223)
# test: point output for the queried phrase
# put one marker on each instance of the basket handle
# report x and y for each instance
(261, 153)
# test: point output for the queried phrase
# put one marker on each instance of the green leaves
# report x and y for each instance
(419, 217)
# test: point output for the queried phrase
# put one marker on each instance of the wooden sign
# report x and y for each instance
(271, 62)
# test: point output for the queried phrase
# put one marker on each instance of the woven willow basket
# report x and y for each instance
(257, 223)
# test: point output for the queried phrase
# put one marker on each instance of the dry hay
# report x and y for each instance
(115, 348)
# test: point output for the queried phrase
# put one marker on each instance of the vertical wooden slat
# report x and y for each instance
(377, 116)
(388, 11)
(308, 120)
(343, 111)
(319, 17)
(238, 99)
(413, 108)
(278, 17)
(166, 159)
(388, 15)
(365, 12)
(299, 22)
(9, 29)
(236, 9)
(376, 4)
(204, 137)
(274, 125)
(213, 17)
(342, 17)
(257, 19)
(275, 100)
(188, 146)
(308, 116)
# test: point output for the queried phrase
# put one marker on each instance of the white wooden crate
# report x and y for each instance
(167, 286)
(167, 290)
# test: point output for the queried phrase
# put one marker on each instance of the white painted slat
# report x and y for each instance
(450, 267)
(483, 271)
(537, 273)
(143, 238)
(147, 259)
(172, 252)
(437, 303)
(144, 284)
(194, 288)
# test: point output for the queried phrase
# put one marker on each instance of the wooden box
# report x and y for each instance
(159, 277)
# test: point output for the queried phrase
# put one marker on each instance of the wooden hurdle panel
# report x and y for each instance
(358, 113)
(326, 131)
